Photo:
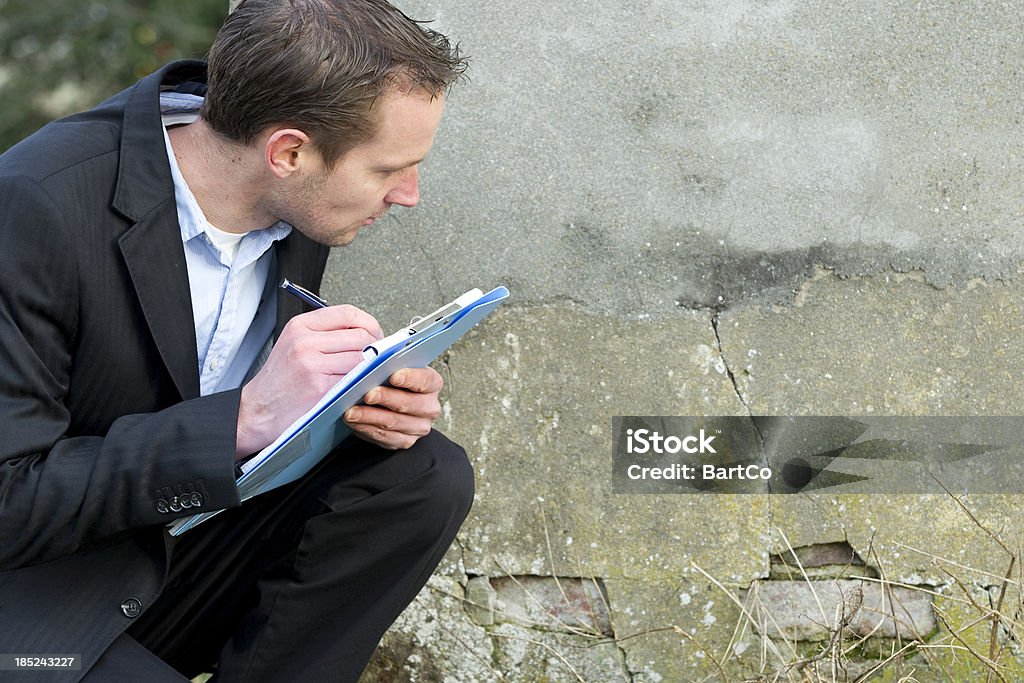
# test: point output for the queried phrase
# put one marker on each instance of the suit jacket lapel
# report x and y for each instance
(152, 247)
(155, 257)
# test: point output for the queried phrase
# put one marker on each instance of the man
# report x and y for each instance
(140, 248)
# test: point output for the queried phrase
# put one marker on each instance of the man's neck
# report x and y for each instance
(218, 173)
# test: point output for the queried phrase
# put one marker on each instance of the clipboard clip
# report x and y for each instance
(427, 322)
(423, 325)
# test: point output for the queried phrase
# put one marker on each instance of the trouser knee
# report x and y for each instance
(447, 490)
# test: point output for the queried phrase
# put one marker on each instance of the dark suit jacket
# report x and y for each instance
(103, 437)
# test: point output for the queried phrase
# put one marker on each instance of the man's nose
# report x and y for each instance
(407, 191)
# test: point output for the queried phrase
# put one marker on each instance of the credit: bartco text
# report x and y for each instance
(703, 472)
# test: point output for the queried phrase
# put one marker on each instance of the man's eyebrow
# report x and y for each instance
(389, 167)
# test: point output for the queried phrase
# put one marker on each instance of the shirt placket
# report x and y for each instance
(229, 332)
(219, 351)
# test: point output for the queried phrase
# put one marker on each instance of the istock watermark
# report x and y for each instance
(645, 441)
(777, 454)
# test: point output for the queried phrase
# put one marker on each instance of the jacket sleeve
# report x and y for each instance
(60, 494)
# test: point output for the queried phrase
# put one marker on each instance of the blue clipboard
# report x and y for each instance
(310, 438)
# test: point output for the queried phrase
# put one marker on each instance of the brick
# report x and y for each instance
(480, 599)
(557, 604)
(790, 610)
(820, 561)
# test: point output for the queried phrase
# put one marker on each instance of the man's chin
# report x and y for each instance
(344, 239)
(332, 239)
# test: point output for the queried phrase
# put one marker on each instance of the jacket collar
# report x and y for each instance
(144, 174)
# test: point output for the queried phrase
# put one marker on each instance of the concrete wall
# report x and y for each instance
(713, 208)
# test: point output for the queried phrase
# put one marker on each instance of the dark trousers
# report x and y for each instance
(301, 583)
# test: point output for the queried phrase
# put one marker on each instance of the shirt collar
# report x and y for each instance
(182, 108)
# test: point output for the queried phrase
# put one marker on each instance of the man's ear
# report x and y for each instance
(285, 151)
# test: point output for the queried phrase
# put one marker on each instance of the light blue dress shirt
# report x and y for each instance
(233, 318)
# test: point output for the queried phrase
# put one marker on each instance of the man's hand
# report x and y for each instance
(396, 416)
(314, 351)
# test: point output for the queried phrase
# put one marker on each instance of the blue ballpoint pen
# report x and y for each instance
(374, 348)
(303, 294)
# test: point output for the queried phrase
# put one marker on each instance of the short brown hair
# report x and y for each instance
(319, 65)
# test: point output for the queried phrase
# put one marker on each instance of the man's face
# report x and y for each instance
(329, 207)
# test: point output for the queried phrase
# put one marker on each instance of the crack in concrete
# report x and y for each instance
(462, 562)
(433, 271)
(445, 361)
(627, 675)
(715, 319)
(725, 362)
(735, 385)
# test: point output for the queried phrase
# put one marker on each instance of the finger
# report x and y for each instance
(341, 317)
(419, 380)
(327, 364)
(404, 402)
(340, 341)
(340, 363)
(392, 441)
(366, 417)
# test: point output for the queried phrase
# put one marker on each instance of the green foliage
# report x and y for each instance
(61, 56)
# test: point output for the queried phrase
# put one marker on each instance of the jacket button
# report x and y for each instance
(197, 499)
(176, 504)
(131, 607)
(161, 505)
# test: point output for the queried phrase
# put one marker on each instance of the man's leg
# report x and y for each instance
(300, 583)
